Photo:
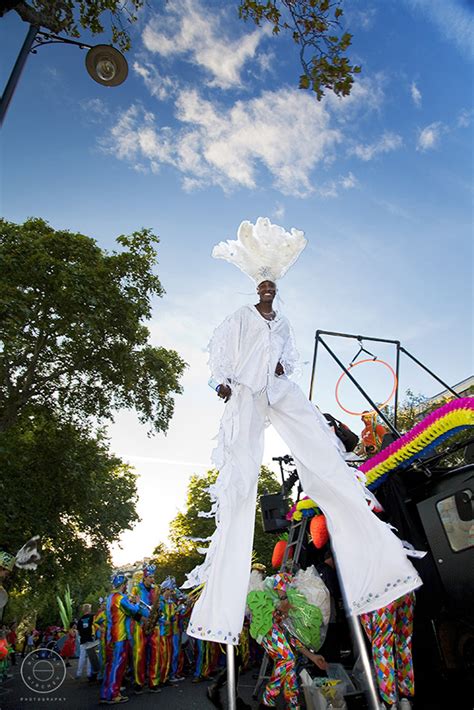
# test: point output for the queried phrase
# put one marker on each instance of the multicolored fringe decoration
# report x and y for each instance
(441, 424)
(304, 508)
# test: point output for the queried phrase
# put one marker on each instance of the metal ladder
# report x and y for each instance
(295, 539)
(296, 536)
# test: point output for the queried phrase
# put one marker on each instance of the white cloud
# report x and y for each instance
(464, 118)
(349, 181)
(135, 135)
(394, 209)
(332, 187)
(454, 19)
(279, 211)
(158, 85)
(286, 133)
(363, 19)
(266, 61)
(95, 110)
(365, 92)
(197, 34)
(415, 94)
(386, 143)
(430, 136)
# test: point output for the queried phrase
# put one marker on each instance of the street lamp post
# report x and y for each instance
(16, 71)
(104, 63)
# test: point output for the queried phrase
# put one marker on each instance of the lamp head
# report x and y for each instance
(106, 65)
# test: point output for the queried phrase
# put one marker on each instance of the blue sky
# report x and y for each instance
(210, 129)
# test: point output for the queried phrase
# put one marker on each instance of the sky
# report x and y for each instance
(210, 129)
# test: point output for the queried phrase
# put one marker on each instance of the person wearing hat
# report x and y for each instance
(372, 434)
(166, 619)
(145, 645)
(118, 609)
(251, 356)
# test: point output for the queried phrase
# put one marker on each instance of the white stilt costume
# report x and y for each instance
(244, 352)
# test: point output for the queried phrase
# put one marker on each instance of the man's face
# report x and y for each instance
(148, 581)
(167, 594)
(4, 573)
(267, 291)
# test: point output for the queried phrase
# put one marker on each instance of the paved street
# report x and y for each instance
(80, 695)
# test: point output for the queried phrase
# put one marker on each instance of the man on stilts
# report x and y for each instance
(252, 353)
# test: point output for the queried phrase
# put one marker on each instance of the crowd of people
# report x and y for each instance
(135, 638)
(13, 643)
(141, 640)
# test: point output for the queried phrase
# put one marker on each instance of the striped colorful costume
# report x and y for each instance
(167, 611)
(175, 643)
(183, 614)
(390, 631)
(99, 625)
(213, 658)
(118, 609)
(283, 675)
(199, 656)
(245, 646)
(145, 647)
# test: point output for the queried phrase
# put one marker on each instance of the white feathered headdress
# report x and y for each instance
(264, 251)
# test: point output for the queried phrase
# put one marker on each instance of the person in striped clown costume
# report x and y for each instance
(118, 609)
(271, 606)
(166, 625)
(145, 646)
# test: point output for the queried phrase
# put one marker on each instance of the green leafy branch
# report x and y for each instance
(315, 26)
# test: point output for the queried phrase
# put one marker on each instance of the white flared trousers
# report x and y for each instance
(372, 562)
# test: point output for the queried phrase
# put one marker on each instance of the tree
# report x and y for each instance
(72, 327)
(414, 408)
(183, 554)
(62, 484)
(66, 16)
(315, 26)
(409, 411)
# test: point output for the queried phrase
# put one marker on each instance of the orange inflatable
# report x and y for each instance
(319, 531)
(3, 649)
(278, 552)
